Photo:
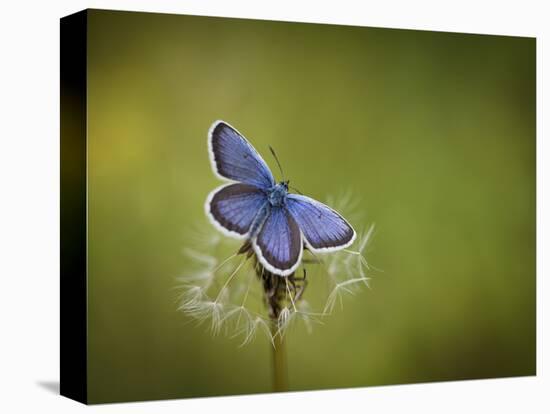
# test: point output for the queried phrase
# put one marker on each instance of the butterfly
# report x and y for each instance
(253, 206)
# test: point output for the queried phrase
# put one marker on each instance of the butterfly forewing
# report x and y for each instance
(323, 228)
(234, 158)
(233, 207)
(279, 243)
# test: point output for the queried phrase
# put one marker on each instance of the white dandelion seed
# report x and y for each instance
(338, 292)
(284, 319)
(191, 298)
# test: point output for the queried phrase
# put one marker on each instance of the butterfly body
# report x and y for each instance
(252, 206)
(277, 195)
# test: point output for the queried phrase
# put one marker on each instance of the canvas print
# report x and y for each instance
(256, 206)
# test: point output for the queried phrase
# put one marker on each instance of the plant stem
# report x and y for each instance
(275, 293)
(280, 373)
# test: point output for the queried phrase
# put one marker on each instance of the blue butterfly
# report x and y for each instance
(253, 206)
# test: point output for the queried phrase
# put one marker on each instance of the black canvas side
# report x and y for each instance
(73, 52)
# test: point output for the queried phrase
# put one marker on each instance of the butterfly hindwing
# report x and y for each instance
(279, 244)
(234, 158)
(233, 207)
(324, 229)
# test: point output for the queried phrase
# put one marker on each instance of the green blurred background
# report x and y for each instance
(433, 132)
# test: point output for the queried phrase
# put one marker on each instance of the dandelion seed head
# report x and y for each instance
(226, 289)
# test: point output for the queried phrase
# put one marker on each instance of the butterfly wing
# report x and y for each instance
(234, 158)
(323, 228)
(279, 245)
(232, 208)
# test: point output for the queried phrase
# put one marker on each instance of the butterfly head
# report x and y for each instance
(277, 194)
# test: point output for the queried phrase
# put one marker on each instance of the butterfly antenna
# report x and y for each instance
(278, 163)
